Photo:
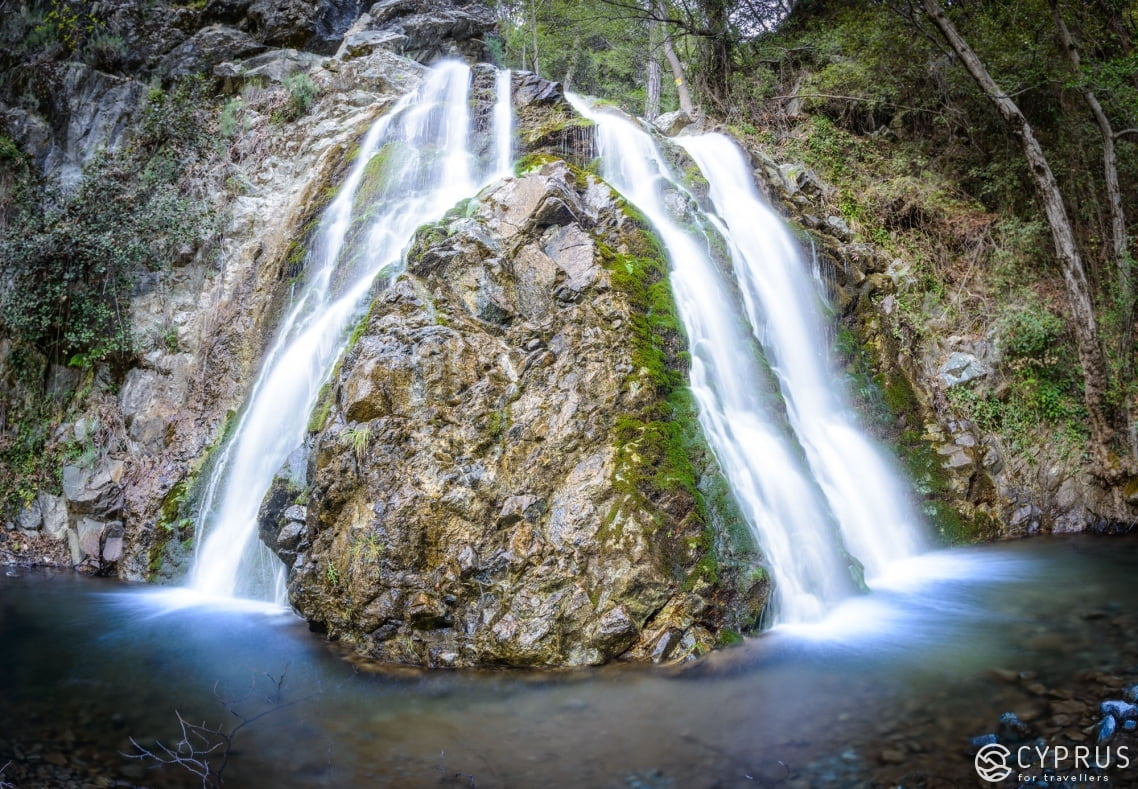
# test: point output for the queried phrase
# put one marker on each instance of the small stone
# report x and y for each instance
(1131, 694)
(960, 368)
(1130, 725)
(1011, 729)
(984, 739)
(1119, 709)
(1106, 729)
(838, 227)
(891, 756)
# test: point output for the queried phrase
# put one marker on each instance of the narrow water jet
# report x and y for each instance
(503, 124)
(414, 164)
(764, 468)
(878, 524)
(821, 499)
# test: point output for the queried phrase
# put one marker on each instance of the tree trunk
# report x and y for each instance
(1119, 247)
(717, 60)
(678, 74)
(533, 21)
(1109, 159)
(1066, 251)
(652, 82)
(574, 60)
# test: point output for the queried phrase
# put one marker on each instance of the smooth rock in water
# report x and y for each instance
(1130, 725)
(891, 756)
(960, 368)
(1121, 710)
(1106, 729)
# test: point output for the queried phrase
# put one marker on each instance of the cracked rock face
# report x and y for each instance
(464, 504)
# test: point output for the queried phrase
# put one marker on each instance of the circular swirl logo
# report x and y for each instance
(992, 763)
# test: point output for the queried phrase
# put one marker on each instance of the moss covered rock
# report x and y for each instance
(510, 472)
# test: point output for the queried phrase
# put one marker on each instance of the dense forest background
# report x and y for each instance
(926, 162)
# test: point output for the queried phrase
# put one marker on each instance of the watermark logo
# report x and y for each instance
(992, 763)
(1064, 765)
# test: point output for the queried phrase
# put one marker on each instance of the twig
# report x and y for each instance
(201, 746)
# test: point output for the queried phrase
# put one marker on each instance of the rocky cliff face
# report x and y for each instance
(497, 475)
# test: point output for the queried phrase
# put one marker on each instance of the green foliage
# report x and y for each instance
(301, 96)
(603, 49)
(229, 122)
(358, 438)
(75, 256)
(26, 462)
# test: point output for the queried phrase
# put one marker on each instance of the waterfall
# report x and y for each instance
(768, 477)
(413, 164)
(814, 492)
(503, 125)
(876, 521)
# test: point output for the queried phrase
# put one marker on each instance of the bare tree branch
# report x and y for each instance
(203, 750)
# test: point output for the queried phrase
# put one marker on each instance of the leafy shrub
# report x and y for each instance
(73, 258)
(302, 94)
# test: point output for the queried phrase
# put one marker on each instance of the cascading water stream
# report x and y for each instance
(503, 125)
(766, 474)
(414, 164)
(808, 514)
(877, 523)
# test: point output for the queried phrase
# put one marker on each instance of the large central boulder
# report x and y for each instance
(504, 469)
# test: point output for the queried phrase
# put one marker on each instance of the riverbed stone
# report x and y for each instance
(1122, 710)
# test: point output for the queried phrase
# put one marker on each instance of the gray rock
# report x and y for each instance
(1011, 729)
(483, 524)
(984, 739)
(94, 111)
(90, 533)
(427, 32)
(31, 517)
(530, 89)
(838, 227)
(364, 42)
(274, 66)
(54, 510)
(960, 368)
(672, 123)
(95, 491)
(205, 49)
(282, 23)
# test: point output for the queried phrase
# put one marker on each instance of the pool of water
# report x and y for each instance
(888, 691)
